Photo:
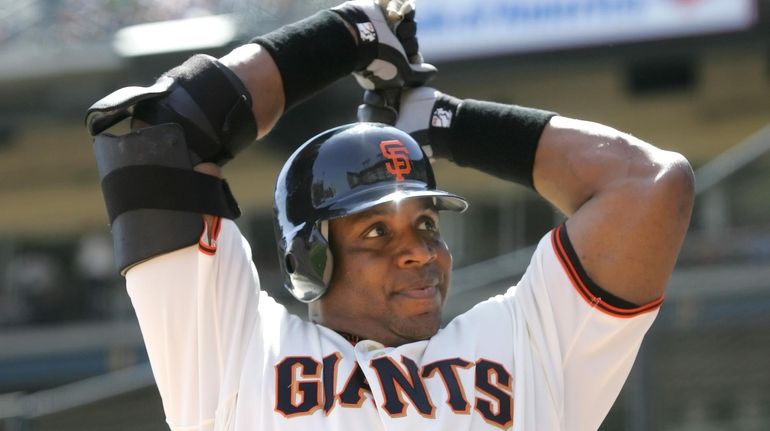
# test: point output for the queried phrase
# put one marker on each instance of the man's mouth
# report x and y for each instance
(425, 287)
(420, 292)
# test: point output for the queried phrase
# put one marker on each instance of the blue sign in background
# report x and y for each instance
(451, 29)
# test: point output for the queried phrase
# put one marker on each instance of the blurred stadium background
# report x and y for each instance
(688, 75)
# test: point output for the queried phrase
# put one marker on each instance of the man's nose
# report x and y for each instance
(416, 249)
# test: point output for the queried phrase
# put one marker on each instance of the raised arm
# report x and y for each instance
(199, 115)
(254, 66)
(628, 203)
(294, 62)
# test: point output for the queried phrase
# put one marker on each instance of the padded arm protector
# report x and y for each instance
(201, 95)
(153, 197)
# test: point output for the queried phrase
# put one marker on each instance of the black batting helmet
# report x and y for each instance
(343, 171)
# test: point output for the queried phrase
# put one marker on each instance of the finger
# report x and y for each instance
(416, 59)
(410, 47)
(373, 98)
(406, 30)
(392, 97)
(407, 8)
(377, 114)
(419, 74)
(396, 10)
(391, 11)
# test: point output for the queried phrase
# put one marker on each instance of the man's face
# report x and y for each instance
(391, 273)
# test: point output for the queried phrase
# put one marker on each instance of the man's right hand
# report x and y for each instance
(423, 112)
(389, 27)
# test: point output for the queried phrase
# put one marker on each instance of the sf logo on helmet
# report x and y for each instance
(398, 162)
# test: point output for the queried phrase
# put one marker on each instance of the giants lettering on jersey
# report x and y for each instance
(304, 385)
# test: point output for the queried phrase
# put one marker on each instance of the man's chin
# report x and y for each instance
(419, 328)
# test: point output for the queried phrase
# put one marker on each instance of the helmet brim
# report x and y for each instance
(443, 201)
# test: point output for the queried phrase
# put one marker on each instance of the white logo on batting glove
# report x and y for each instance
(366, 31)
(441, 118)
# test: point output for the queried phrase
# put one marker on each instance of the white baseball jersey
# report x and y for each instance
(548, 354)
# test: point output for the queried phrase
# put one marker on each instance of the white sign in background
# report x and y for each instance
(454, 29)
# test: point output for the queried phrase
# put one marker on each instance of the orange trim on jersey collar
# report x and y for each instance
(352, 339)
(209, 246)
(581, 285)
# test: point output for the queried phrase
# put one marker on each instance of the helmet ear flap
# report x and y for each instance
(307, 263)
(323, 226)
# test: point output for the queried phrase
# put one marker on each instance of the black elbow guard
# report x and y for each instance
(201, 95)
(198, 112)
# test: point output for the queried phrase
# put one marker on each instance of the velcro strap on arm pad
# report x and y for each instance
(141, 187)
(118, 105)
(154, 198)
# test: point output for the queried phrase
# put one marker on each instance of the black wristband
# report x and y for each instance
(313, 53)
(495, 138)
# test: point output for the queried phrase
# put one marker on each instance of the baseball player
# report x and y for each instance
(357, 225)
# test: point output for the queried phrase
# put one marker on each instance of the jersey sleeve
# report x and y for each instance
(585, 338)
(197, 308)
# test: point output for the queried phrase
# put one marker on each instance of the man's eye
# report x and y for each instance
(428, 224)
(375, 232)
